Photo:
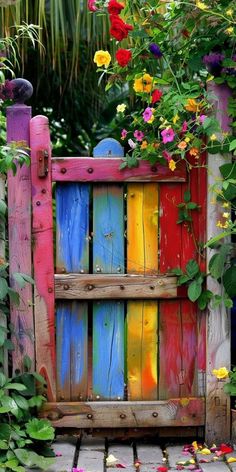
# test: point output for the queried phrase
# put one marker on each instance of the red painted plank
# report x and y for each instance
(19, 234)
(88, 169)
(43, 255)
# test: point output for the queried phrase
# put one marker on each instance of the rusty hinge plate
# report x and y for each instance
(42, 161)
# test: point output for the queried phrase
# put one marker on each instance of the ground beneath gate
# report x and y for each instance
(100, 454)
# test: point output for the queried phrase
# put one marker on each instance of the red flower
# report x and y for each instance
(119, 29)
(123, 57)
(156, 96)
(162, 469)
(114, 8)
(226, 449)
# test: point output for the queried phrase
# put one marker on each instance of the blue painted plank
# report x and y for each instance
(108, 229)
(108, 350)
(72, 221)
(108, 257)
(79, 351)
(63, 350)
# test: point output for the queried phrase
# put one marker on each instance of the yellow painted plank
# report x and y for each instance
(142, 228)
(142, 316)
(142, 328)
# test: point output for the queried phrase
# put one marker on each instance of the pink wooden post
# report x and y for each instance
(19, 223)
(218, 323)
(44, 300)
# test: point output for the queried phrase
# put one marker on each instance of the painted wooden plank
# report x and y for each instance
(77, 286)
(63, 351)
(142, 316)
(44, 303)
(108, 350)
(178, 352)
(142, 328)
(72, 227)
(19, 235)
(87, 169)
(218, 319)
(123, 414)
(108, 257)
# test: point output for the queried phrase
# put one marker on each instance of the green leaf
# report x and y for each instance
(192, 268)
(8, 402)
(177, 271)
(194, 291)
(229, 281)
(3, 288)
(192, 206)
(22, 279)
(216, 266)
(183, 279)
(30, 459)
(228, 170)
(3, 444)
(5, 431)
(187, 196)
(36, 400)
(27, 362)
(204, 299)
(40, 429)
(15, 386)
(20, 401)
(232, 145)
(3, 379)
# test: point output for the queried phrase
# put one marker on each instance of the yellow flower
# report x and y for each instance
(195, 445)
(229, 30)
(213, 137)
(231, 459)
(187, 139)
(175, 119)
(182, 145)
(121, 108)
(143, 84)
(201, 5)
(226, 214)
(221, 373)
(144, 145)
(205, 450)
(225, 205)
(172, 165)
(229, 12)
(219, 224)
(151, 119)
(193, 106)
(102, 58)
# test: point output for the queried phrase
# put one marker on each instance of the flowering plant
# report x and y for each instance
(164, 63)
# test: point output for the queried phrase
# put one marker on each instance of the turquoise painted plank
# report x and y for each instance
(108, 350)
(72, 221)
(63, 331)
(108, 229)
(108, 257)
(79, 351)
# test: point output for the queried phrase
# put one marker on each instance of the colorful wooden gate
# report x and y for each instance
(118, 344)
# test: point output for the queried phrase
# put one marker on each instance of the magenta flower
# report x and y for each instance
(166, 155)
(184, 127)
(202, 118)
(124, 133)
(147, 114)
(92, 5)
(168, 135)
(139, 135)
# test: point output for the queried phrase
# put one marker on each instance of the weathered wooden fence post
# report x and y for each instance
(3, 321)
(19, 224)
(218, 325)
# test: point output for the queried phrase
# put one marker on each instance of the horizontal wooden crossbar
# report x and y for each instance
(87, 286)
(89, 169)
(129, 414)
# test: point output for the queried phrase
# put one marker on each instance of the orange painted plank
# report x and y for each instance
(142, 316)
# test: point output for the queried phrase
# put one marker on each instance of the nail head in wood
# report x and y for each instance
(90, 170)
(63, 170)
(155, 414)
(66, 287)
(89, 416)
(122, 416)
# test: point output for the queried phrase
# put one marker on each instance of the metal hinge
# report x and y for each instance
(42, 160)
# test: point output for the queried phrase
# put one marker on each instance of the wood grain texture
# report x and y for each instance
(218, 320)
(77, 286)
(178, 347)
(72, 227)
(43, 256)
(108, 350)
(142, 316)
(142, 346)
(88, 169)
(108, 257)
(19, 234)
(72, 350)
(173, 412)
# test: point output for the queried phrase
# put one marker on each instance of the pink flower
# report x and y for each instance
(184, 127)
(168, 135)
(202, 118)
(139, 135)
(147, 114)
(132, 144)
(124, 133)
(166, 155)
(92, 5)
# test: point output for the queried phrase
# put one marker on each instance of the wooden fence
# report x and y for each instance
(117, 342)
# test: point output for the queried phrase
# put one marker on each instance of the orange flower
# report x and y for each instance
(144, 145)
(193, 106)
(182, 145)
(194, 152)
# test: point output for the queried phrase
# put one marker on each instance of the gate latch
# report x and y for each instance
(42, 161)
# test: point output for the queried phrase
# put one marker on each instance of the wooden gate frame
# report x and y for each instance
(156, 414)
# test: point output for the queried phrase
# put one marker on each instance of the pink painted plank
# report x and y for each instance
(88, 169)
(19, 224)
(43, 255)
